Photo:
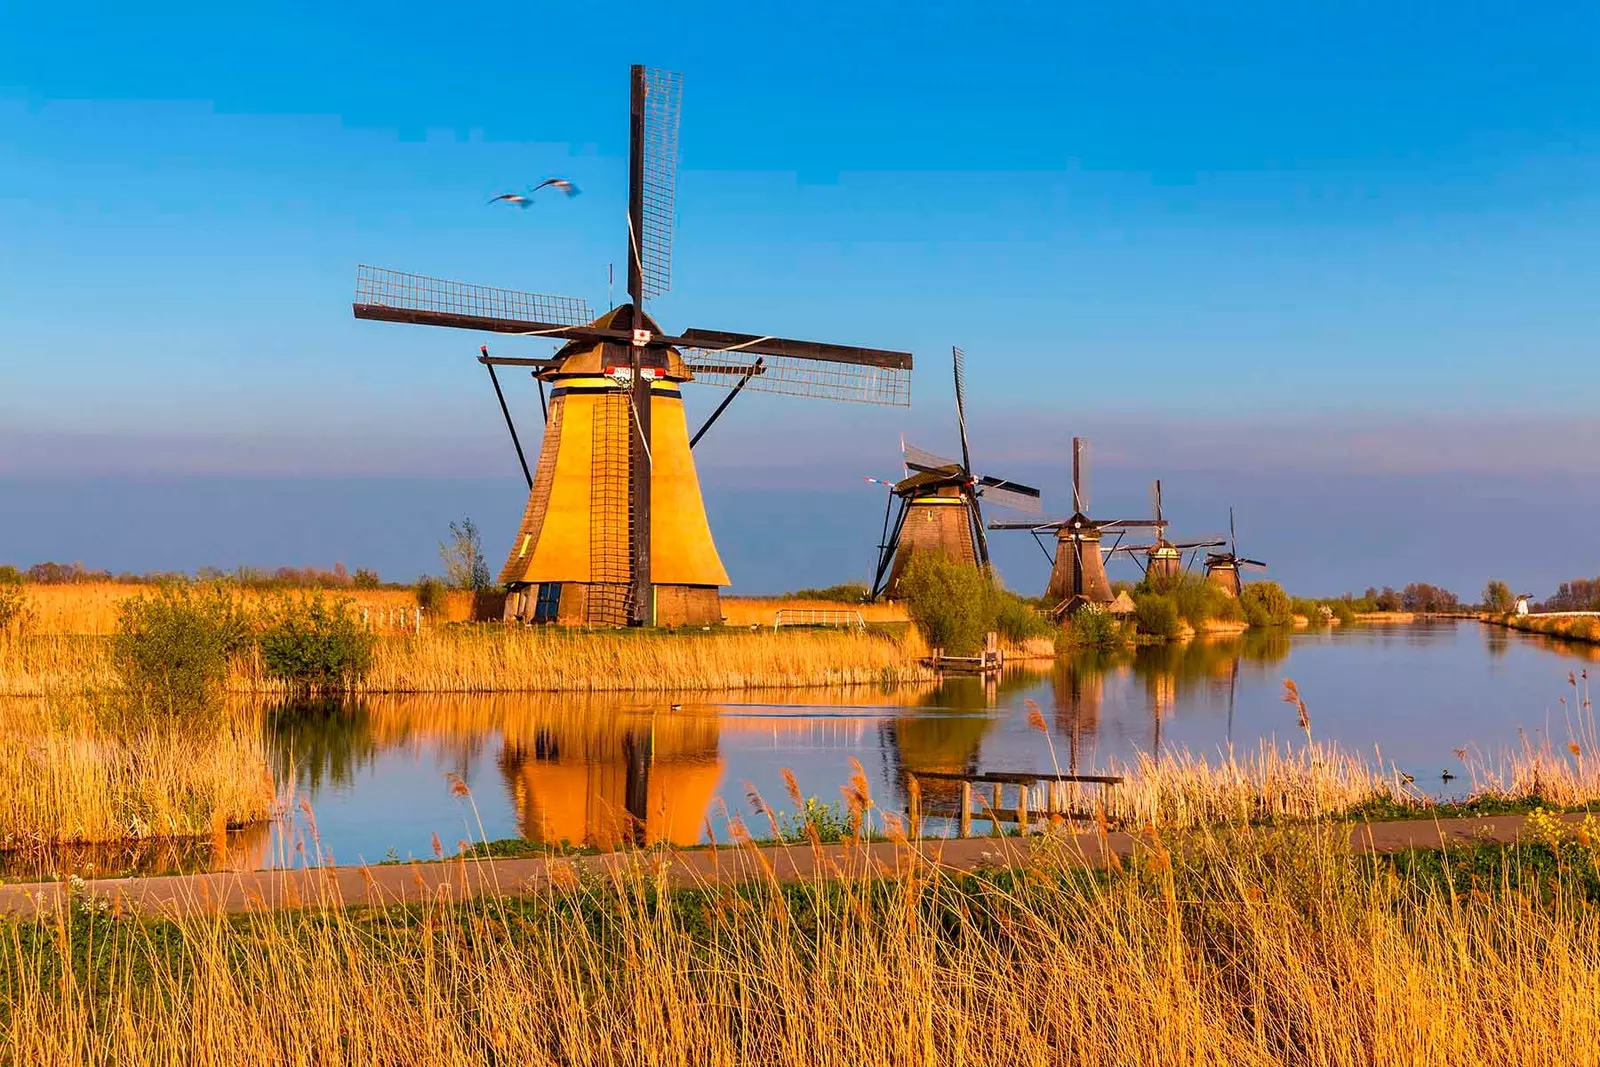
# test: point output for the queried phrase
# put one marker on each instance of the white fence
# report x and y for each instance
(845, 617)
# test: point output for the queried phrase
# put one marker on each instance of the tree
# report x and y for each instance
(1428, 599)
(1266, 604)
(464, 564)
(1498, 598)
(1387, 599)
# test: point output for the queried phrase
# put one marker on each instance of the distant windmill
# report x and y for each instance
(1163, 559)
(1078, 571)
(1222, 568)
(939, 509)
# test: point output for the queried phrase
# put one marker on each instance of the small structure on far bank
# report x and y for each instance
(1078, 572)
(1222, 568)
(939, 505)
(1523, 602)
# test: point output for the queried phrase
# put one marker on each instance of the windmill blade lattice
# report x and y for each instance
(799, 376)
(921, 459)
(402, 297)
(663, 107)
(1012, 495)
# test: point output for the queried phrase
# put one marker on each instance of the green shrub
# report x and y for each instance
(828, 823)
(1094, 627)
(1266, 604)
(952, 603)
(1199, 601)
(1157, 615)
(314, 645)
(365, 579)
(14, 610)
(846, 592)
(1227, 608)
(1343, 610)
(1016, 619)
(173, 646)
(432, 596)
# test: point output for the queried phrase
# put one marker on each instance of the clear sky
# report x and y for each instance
(1323, 247)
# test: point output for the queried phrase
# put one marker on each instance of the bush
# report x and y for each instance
(952, 603)
(1343, 610)
(1016, 619)
(14, 610)
(1199, 601)
(173, 647)
(1266, 604)
(847, 592)
(315, 646)
(1156, 614)
(432, 596)
(365, 579)
(1094, 627)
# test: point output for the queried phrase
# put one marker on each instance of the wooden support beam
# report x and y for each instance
(966, 809)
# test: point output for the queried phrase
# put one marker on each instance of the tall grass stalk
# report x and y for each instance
(1250, 948)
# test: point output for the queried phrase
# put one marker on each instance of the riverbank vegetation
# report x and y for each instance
(1241, 946)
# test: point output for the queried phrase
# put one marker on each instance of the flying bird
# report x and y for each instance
(557, 183)
(525, 200)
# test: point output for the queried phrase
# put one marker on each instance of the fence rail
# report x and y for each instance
(845, 617)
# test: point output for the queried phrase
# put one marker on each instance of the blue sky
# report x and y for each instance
(1271, 240)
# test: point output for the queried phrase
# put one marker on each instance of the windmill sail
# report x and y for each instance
(808, 376)
(919, 459)
(663, 107)
(1013, 495)
(395, 296)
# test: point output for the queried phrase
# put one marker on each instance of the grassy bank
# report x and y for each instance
(1253, 947)
(503, 659)
(1584, 628)
(90, 608)
(72, 772)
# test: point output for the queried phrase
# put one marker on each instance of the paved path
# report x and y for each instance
(458, 879)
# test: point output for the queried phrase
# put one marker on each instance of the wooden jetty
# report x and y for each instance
(992, 805)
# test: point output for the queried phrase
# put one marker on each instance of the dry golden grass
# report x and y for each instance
(512, 659)
(1568, 627)
(68, 777)
(90, 608)
(762, 611)
(1254, 948)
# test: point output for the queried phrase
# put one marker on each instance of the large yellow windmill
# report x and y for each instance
(615, 530)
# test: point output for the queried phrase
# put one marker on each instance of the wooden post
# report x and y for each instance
(1022, 809)
(996, 801)
(915, 814)
(966, 808)
(416, 620)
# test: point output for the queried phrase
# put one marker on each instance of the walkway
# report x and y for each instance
(459, 879)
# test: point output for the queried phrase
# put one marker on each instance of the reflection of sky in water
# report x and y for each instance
(569, 766)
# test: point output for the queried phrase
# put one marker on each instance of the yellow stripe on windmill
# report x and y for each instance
(939, 504)
(614, 531)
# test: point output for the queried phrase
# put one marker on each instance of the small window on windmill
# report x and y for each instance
(548, 605)
(522, 550)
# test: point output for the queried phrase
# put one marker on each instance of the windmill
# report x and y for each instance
(1223, 568)
(1163, 564)
(939, 509)
(615, 530)
(1078, 569)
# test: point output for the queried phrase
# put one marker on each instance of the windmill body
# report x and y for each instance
(939, 505)
(614, 530)
(1078, 576)
(1223, 569)
(569, 561)
(1163, 559)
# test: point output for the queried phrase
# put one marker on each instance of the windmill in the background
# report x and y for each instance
(615, 529)
(939, 504)
(1222, 568)
(1163, 560)
(1078, 570)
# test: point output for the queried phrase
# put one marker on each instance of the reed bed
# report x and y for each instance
(71, 773)
(1252, 948)
(1568, 627)
(510, 659)
(35, 666)
(90, 608)
(1180, 790)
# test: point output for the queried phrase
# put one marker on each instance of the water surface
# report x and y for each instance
(377, 776)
